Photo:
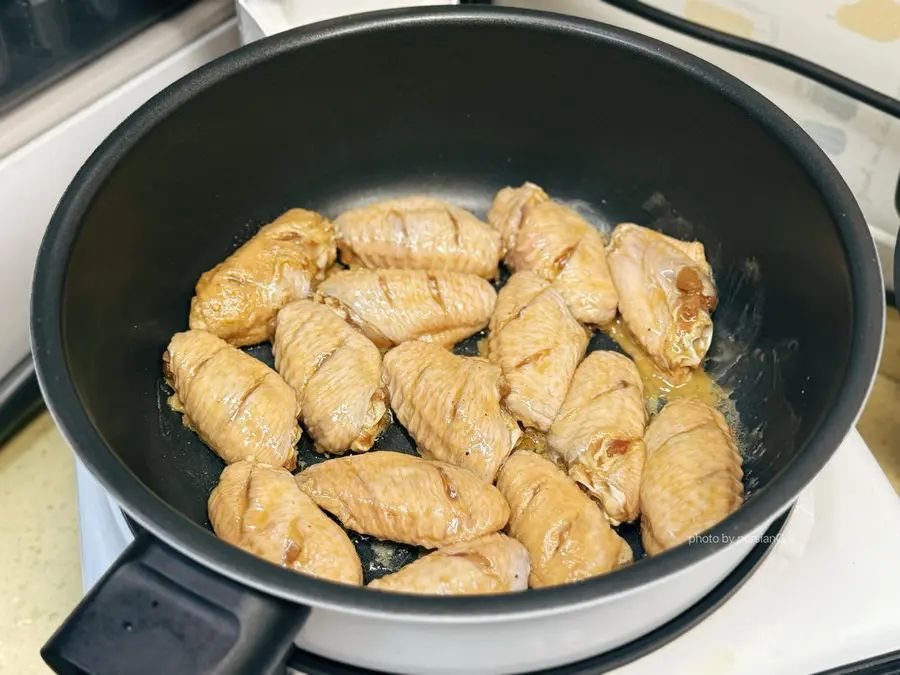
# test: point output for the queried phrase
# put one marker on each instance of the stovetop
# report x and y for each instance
(825, 595)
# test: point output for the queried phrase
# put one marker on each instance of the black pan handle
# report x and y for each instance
(20, 398)
(156, 612)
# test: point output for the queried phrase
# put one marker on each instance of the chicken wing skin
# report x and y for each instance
(418, 232)
(237, 405)
(260, 509)
(336, 373)
(666, 295)
(558, 245)
(399, 497)
(538, 344)
(692, 478)
(451, 406)
(508, 211)
(394, 306)
(237, 300)
(598, 434)
(492, 564)
(564, 531)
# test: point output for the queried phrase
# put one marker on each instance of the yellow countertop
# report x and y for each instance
(40, 568)
(40, 555)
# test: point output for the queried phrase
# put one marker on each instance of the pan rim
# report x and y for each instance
(203, 547)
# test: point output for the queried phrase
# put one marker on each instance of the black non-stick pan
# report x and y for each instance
(456, 103)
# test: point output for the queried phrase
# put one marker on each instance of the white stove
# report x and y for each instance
(826, 595)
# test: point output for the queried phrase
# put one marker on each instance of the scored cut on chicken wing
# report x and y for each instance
(336, 373)
(491, 564)
(399, 497)
(394, 306)
(451, 406)
(557, 244)
(260, 509)
(538, 344)
(508, 210)
(564, 531)
(666, 295)
(417, 232)
(598, 434)
(237, 405)
(237, 300)
(692, 477)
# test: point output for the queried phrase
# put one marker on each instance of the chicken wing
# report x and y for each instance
(394, 306)
(598, 434)
(566, 534)
(492, 564)
(239, 406)
(558, 245)
(336, 373)
(692, 478)
(420, 233)
(260, 509)
(538, 344)
(399, 497)
(666, 294)
(451, 406)
(508, 211)
(237, 300)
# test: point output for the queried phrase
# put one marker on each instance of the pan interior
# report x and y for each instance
(458, 111)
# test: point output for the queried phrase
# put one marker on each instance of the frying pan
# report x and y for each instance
(454, 102)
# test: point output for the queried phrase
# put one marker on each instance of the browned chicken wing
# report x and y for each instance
(557, 244)
(394, 306)
(260, 509)
(451, 406)
(336, 372)
(566, 534)
(692, 478)
(598, 435)
(420, 233)
(666, 294)
(237, 300)
(239, 406)
(402, 498)
(538, 344)
(508, 211)
(492, 564)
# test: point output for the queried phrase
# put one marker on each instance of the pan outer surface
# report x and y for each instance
(458, 103)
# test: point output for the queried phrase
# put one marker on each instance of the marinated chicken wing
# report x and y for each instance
(538, 344)
(260, 509)
(692, 478)
(336, 372)
(420, 233)
(451, 406)
(598, 434)
(566, 534)
(492, 564)
(394, 306)
(558, 245)
(666, 294)
(402, 498)
(508, 211)
(237, 300)
(238, 405)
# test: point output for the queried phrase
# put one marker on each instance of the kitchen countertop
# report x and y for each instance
(40, 571)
